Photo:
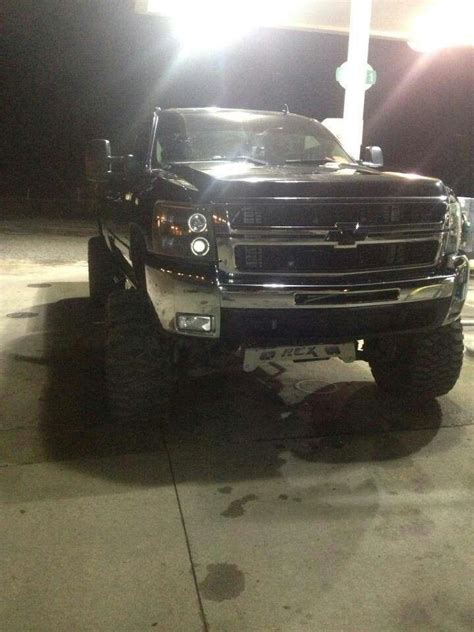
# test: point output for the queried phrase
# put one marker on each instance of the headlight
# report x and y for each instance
(454, 227)
(197, 223)
(200, 247)
(175, 228)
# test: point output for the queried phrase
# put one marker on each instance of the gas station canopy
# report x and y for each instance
(426, 25)
(393, 19)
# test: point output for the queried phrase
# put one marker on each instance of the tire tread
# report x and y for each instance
(139, 359)
(102, 273)
(427, 365)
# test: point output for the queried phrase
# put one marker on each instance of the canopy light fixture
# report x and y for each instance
(445, 24)
(213, 24)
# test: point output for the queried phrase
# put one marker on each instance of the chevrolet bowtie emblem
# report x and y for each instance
(346, 234)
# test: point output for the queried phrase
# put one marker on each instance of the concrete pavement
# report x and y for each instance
(296, 500)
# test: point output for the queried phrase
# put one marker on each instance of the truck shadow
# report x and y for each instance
(219, 415)
(225, 430)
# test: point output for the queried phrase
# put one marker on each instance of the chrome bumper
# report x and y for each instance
(173, 292)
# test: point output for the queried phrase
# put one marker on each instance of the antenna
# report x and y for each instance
(286, 109)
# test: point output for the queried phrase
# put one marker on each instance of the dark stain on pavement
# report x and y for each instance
(223, 581)
(413, 613)
(225, 490)
(410, 522)
(39, 284)
(236, 507)
(22, 315)
(283, 497)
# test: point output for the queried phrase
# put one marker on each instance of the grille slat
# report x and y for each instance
(327, 214)
(329, 259)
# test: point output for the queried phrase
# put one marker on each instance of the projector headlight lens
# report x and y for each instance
(197, 223)
(200, 247)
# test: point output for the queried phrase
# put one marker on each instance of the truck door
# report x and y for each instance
(121, 203)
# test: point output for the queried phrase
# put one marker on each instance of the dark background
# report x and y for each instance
(77, 70)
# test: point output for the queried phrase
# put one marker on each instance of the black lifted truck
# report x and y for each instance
(249, 237)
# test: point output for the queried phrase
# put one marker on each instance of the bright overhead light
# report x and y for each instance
(447, 23)
(209, 25)
(202, 25)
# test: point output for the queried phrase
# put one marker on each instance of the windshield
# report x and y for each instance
(240, 135)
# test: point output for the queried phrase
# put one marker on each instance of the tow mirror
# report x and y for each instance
(98, 160)
(372, 156)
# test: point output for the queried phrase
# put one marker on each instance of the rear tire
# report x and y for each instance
(140, 362)
(103, 278)
(421, 366)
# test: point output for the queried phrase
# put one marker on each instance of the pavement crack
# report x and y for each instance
(186, 535)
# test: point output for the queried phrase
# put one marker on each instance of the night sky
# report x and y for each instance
(77, 70)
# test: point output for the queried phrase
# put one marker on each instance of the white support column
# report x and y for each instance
(359, 35)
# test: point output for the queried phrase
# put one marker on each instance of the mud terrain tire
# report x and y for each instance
(139, 360)
(103, 278)
(422, 366)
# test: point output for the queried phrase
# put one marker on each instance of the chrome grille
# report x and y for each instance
(328, 237)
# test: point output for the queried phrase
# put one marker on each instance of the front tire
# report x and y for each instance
(421, 366)
(102, 274)
(140, 363)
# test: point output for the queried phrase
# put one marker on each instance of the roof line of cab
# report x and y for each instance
(218, 109)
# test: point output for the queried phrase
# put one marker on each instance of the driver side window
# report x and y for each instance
(141, 144)
(171, 141)
(159, 152)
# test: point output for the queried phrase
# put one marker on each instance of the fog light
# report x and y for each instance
(197, 223)
(200, 246)
(195, 322)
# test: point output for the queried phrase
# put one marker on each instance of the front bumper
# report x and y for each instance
(299, 314)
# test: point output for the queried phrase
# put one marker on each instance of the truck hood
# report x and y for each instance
(224, 181)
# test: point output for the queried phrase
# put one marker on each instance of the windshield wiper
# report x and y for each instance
(308, 161)
(321, 161)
